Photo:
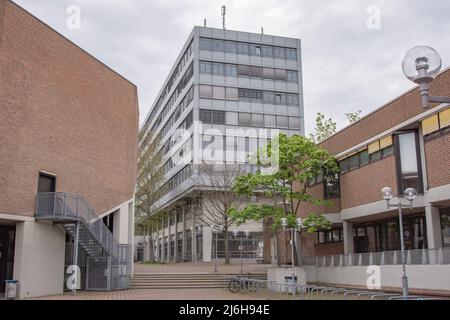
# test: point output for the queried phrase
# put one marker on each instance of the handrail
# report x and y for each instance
(66, 206)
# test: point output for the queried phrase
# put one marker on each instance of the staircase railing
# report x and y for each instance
(66, 207)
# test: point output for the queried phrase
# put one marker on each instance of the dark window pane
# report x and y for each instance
(280, 74)
(257, 120)
(344, 165)
(205, 67)
(218, 69)
(242, 48)
(363, 157)
(205, 116)
(291, 54)
(230, 47)
(354, 161)
(375, 156)
(268, 73)
(205, 44)
(278, 53)
(267, 51)
(256, 72)
(256, 95)
(388, 151)
(243, 70)
(219, 117)
(244, 94)
(218, 45)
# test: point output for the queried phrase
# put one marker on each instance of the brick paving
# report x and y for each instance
(172, 294)
(154, 294)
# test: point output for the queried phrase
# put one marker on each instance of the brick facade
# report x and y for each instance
(437, 153)
(64, 112)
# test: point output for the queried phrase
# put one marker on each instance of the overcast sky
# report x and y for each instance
(347, 65)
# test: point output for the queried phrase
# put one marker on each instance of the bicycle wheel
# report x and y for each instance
(234, 285)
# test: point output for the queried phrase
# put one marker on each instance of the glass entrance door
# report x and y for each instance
(7, 238)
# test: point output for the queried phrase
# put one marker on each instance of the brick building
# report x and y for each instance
(398, 145)
(68, 127)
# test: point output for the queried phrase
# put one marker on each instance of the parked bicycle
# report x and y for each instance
(239, 283)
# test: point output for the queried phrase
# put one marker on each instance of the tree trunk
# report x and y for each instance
(226, 245)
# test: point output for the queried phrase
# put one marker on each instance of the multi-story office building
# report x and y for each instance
(399, 145)
(68, 137)
(227, 91)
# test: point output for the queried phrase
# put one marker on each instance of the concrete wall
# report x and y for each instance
(39, 259)
(421, 277)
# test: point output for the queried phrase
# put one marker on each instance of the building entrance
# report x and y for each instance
(7, 238)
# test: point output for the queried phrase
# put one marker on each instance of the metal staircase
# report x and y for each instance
(108, 262)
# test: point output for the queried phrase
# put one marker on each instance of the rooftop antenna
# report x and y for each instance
(224, 11)
(262, 30)
(204, 23)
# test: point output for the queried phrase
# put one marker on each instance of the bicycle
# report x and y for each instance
(241, 283)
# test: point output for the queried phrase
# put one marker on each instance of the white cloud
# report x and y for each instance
(347, 67)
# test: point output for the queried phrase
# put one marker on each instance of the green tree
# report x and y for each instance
(324, 129)
(353, 116)
(299, 161)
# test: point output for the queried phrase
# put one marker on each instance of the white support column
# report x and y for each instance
(348, 237)
(433, 221)
(169, 238)
(163, 242)
(194, 231)
(176, 253)
(184, 242)
(207, 243)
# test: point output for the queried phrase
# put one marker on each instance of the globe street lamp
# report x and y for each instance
(241, 247)
(216, 229)
(421, 65)
(410, 195)
(299, 227)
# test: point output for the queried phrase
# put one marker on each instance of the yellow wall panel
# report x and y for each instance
(430, 124)
(386, 142)
(374, 147)
(444, 118)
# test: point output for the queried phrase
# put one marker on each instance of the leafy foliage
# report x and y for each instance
(324, 129)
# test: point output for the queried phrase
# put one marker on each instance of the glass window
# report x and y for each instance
(445, 226)
(205, 91)
(270, 121)
(291, 54)
(294, 123)
(332, 187)
(282, 122)
(206, 116)
(409, 170)
(258, 120)
(205, 44)
(243, 70)
(267, 51)
(256, 95)
(344, 165)
(231, 70)
(245, 119)
(280, 74)
(218, 45)
(256, 72)
(268, 97)
(232, 118)
(218, 69)
(292, 76)
(242, 48)
(363, 157)
(244, 94)
(375, 156)
(219, 117)
(280, 98)
(354, 161)
(230, 46)
(388, 151)
(268, 73)
(231, 94)
(218, 92)
(278, 53)
(205, 67)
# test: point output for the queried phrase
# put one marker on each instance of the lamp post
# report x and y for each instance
(216, 229)
(410, 194)
(299, 227)
(421, 65)
(241, 247)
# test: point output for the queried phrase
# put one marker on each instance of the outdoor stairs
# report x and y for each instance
(185, 280)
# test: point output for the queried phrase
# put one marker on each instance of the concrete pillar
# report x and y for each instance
(169, 238)
(157, 257)
(207, 236)
(39, 259)
(194, 232)
(163, 241)
(348, 237)
(433, 221)
(184, 242)
(176, 235)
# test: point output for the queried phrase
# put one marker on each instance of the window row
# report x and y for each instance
(250, 95)
(249, 119)
(249, 49)
(185, 125)
(233, 70)
(177, 158)
(330, 236)
(186, 55)
(436, 124)
(175, 181)
(366, 156)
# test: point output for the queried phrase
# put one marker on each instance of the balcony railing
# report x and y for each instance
(66, 207)
(413, 257)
